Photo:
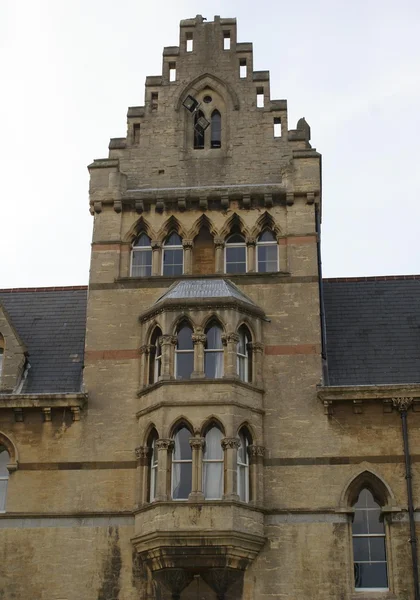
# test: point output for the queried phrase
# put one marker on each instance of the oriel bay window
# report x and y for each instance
(181, 464)
(369, 552)
(267, 253)
(213, 464)
(141, 257)
(173, 255)
(184, 352)
(213, 352)
(155, 357)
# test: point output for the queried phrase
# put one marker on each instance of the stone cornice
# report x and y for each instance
(44, 402)
(357, 395)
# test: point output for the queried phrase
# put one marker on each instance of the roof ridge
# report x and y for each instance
(44, 289)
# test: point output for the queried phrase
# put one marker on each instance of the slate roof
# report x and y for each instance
(51, 322)
(204, 288)
(373, 330)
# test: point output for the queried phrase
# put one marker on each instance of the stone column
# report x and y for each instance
(257, 350)
(168, 343)
(197, 445)
(199, 340)
(219, 244)
(187, 245)
(144, 364)
(230, 341)
(230, 447)
(256, 460)
(143, 454)
(250, 249)
(156, 257)
(164, 447)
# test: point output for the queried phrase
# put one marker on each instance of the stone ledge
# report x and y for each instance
(357, 395)
(44, 402)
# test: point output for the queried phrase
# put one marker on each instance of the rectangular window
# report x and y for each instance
(189, 42)
(226, 40)
(236, 259)
(136, 133)
(172, 71)
(155, 97)
(260, 97)
(267, 259)
(242, 68)
(173, 262)
(141, 263)
(277, 127)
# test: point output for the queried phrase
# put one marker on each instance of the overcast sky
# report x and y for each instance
(70, 69)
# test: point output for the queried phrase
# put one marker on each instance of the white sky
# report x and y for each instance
(70, 69)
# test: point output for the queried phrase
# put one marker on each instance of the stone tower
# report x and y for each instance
(203, 344)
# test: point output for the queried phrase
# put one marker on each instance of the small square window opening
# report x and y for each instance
(260, 97)
(189, 42)
(226, 40)
(277, 127)
(155, 97)
(172, 71)
(242, 68)
(136, 133)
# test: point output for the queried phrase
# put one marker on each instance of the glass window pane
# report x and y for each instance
(213, 448)
(4, 461)
(182, 480)
(236, 260)
(173, 240)
(372, 575)
(242, 368)
(361, 548)
(185, 338)
(360, 521)
(142, 240)
(377, 548)
(3, 492)
(236, 238)
(141, 265)
(213, 480)
(184, 365)
(242, 483)
(375, 524)
(267, 259)
(214, 337)
(366, 500)
(241, 348)
(182, 448)
(242, 452)
(266, 236)
(213, 364)
(173, 262)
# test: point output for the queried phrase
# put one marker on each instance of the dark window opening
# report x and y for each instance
(198, 131)
(172, 71)
(182, 465)
(184, 352)
(260, 97)
(242, 68)
(277, 127)
(136, 133)
(226, 40)
(216, 129)
(207, 99)
(189, 42)
(155, 97)
(155, 356)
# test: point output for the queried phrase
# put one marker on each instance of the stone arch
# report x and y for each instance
(179, 423)
(209, 422)
(244, 321)
(140, 225)
(202, 221)
(211, 81)
(12, 450)
(171, 224)
(150, 329)
(266, 221)
(367, 478)
(246, 426)
(148, 431)
(234, 221)
(182, 318)
(213, 317)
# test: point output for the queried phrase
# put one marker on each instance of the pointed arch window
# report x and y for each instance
(4, 477)
(243, 466)
(235, 254)
(141, 256)
(153, 464)
(216, 129)
(182, 465)
(184, 352)
(173, 255)
(369, 552)
(155, 356)
(213, 351)
(213, 464)
(199, 132)
(267, 253)
(243, 355)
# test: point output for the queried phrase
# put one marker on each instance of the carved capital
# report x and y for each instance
(199, 338)
(402, 403)
(142, 452)
(256, 347)
(187, 244)
(166, 340)
(256, 451)
(197, 442)
(250, 241)
(230, 338)
(164, 444)
(230, 443)
(145, 349)
(156, 244)
(219, 242)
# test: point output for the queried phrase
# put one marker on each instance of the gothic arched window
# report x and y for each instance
(216, 129)
(213, 351)
(369, 552)
(141, 256)
(243, 355)
(243, 466)
(173, 255)
(153, 464)
(213, 464)
(4, 477)
(184, 352)
(181, 464)
(235, 254)
(199, 132)
(267, 253)
(155, 356)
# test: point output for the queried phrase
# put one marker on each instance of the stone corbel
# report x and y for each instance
(46, 414)
(268, 200)
(225, 202)
(402, 404)
(328, 408)
(117, 206)
(310, 198)
(203, 203)
(358, 407)
(75, 412)
(18, 415)
(160, 205)
(290, 198)
(182, 203)
(97, 206)
(246, 201)
(139, 206)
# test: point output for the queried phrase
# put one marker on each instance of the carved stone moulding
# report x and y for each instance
(401, 397)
